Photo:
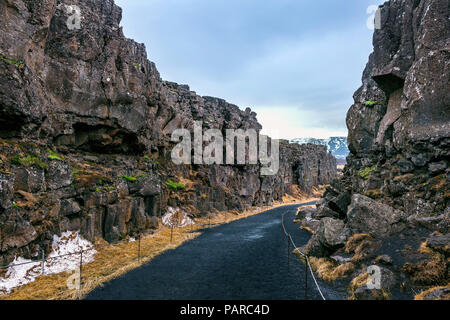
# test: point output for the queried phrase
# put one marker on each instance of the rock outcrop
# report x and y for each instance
(85, 125)
(396, 181)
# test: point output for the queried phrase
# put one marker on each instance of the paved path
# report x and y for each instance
(245, 259)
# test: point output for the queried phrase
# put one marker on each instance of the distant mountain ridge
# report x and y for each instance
(337, 145)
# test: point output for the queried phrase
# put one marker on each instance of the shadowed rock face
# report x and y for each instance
(85, 127)
(397, 176)
(405, 135)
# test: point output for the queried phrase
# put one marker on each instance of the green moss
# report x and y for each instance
(128, 178)
(54, 156)
(15, 205)
(15, 160)
(29, 161)
(175, 185)
(17, 63)
(365, 173)
(370, 103)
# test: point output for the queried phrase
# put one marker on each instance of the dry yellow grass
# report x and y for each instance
(423, 294)
(358, 281)
(361, 280)
(328, 270)
(307, 229)
(114, 260)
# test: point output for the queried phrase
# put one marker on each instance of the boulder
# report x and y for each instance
(439, 242)
(305, 212)
(331, 235)
(366, 215)
(311, 224)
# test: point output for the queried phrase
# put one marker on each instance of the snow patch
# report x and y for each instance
(176, 218)
(68, 245)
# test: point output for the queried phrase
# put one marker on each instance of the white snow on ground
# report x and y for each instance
(69, 242)
(176, 218)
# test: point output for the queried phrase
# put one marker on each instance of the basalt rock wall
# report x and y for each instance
(395, 189)
(85, 127)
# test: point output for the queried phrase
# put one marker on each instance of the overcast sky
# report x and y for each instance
(294, 62)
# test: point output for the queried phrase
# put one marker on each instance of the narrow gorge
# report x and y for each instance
(85, 124)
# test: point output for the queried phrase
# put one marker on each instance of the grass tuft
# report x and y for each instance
(327, 270)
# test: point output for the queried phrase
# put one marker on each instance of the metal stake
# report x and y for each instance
(306, 278)
(43, 262)
(139, 248)
(288, 248)
(81, 267)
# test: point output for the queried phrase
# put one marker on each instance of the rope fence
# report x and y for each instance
(307, 264)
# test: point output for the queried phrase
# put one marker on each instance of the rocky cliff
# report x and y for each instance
(336, 145)
(395, 189)
(85, 124)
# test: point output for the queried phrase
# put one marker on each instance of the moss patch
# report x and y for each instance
(29, 161)
(17, 63)
(53, 156)
(128, 178)
(175, 186)
(370, 103)
(365, 173)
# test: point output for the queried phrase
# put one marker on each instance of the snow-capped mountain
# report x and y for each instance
(337, 145)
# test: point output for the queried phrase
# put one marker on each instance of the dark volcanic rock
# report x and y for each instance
(397, 173)
(85, 130)
(375, 218)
